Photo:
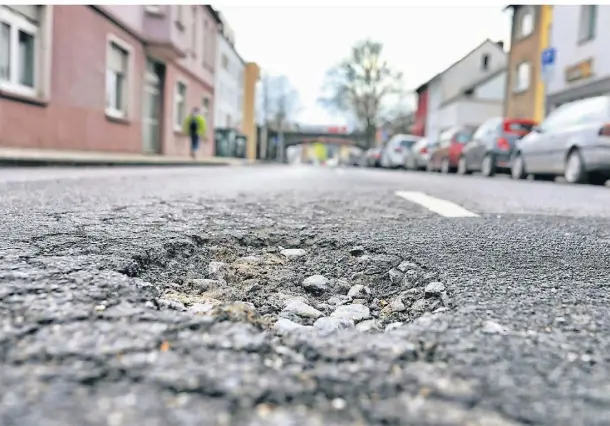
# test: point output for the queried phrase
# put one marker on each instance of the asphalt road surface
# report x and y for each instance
(272, 295)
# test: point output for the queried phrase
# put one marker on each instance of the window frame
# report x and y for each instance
(18, 24)
(179, 120)
(527, 11)
(517, 86)
(111, 40)
(587, 27)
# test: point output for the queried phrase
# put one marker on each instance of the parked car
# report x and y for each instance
(373, 157)
(417, 157)
(573, 141)
(395, 151)
(492, 145)
(432, 148)
(451, 142)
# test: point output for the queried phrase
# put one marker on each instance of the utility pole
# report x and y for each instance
(264, 129)
(281, 117)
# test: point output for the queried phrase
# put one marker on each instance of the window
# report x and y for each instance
(225, 62)
(205, 54)
(18, 49)
(206, 106)
(116, 80)
(194, 31)
(522, 77)
(485, 62)
(155, 9)
(179, 105)
(180, 16)
(526, 21)
(588, 23)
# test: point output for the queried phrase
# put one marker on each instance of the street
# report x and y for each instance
(298, 295)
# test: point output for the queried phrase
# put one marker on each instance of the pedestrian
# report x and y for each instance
(196, 127)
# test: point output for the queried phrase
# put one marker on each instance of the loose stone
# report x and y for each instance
(284, 326)
(302, 309)
(369, 326)
(329, 325)
(359, 291)
(316, 284)
(434, 289)
(293, 253)
(354, 312)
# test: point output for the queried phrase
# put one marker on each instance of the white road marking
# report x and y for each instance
(441, 207)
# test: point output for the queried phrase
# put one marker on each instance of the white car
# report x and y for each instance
(396, 151)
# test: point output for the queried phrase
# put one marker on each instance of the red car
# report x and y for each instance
(449, 149)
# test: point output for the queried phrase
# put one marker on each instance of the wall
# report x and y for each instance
(434, 104)
(468, 71)
(251, 77)
(229, 86)
(564, 37)
(74, 117)
(469, 112)
(419, 126)
(493, 89)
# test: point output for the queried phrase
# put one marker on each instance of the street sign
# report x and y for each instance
(548, 62)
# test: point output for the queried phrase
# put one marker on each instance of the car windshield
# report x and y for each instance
(407, 143)
(463, 137)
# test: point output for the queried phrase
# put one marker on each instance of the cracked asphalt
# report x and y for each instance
(167, 297)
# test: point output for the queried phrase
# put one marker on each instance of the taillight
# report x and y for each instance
(503, 144)
(605, 130)
(424, 150)
(398, 149)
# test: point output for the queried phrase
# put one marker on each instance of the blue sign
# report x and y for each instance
(548, 57)
(548, 62)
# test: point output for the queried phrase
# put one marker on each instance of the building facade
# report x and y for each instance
(581, 36)
(229, 81)
(421, 112)
(433, 123)
(475, 104)
(530, 35)
(105, 78)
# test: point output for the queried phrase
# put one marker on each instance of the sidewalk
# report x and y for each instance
(45, 157)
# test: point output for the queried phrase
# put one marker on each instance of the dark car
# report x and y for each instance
(492, 146)
(373, 157)
(446, 155)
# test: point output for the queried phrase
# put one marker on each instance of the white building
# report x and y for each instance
(433, 123)
(228, 108)
(468, 92)
(473, 88)
(581, 37)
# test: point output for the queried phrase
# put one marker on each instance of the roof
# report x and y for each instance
(214, 13)
(487, 40)
(476, 84)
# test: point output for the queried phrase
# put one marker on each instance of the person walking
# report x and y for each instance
(195, 126)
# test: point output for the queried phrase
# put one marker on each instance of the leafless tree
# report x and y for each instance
(278, 101)
(359, 85)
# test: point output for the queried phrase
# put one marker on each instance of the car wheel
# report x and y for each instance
(445, 166)
(517, 168)
(574, 170)
(462, 168)
(488, 166)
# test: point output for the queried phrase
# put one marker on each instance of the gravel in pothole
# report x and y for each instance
(288, 285)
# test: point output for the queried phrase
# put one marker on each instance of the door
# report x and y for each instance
(547, 150)
(151, 109)
(472, 150)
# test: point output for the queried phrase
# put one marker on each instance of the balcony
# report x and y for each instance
(161, 40)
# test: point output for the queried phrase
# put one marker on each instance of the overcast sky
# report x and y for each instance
(303, 43)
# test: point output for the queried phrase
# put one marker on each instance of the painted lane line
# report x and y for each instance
(441, 207)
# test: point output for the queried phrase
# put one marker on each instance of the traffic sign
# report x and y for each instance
(548, 62)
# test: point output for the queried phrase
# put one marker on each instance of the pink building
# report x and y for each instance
(105, 78)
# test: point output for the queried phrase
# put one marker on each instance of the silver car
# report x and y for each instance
(418, 155)
(573, 141)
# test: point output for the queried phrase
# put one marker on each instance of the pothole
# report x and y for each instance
(291, 284)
